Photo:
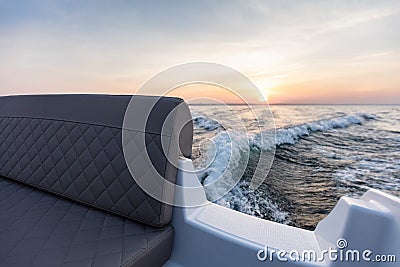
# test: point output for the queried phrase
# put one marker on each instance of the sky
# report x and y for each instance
(319, 52)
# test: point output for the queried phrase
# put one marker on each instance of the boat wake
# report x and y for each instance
(291, 135)
(232, 149)
(202, 122)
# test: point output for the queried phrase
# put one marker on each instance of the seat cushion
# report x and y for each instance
(72, 146)
(41, 229)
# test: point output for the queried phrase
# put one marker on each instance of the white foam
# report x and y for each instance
(229, 154)
(253, 203)
(205, 123)
(232, 150)
(290, 135)
(370, 173)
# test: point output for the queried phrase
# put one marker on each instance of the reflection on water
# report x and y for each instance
(323, 153)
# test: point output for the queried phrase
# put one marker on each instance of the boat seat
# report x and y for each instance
(41, 229)
(67, 195)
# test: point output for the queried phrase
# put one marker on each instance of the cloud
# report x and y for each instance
(96, 46)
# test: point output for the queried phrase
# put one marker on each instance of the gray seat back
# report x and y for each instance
(71, 145)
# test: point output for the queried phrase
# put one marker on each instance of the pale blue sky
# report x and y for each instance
(295, 51)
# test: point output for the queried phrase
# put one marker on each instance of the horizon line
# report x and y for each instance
(299, 104)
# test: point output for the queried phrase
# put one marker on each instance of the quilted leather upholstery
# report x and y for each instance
(70, 145)
(41, 229)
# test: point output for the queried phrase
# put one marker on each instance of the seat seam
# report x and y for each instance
(162, 207)
(134, 258)
(77, 200)
(79, 122)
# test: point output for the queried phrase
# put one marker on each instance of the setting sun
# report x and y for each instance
(199, 133)
(293, 54)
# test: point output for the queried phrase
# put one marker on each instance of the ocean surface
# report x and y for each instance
(322, 152)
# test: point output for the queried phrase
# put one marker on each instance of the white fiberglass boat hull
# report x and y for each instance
(212, 235)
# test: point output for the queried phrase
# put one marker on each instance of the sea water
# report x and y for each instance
(322, 152)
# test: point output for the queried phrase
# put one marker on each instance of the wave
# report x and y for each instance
(205, 123)
(253, 203)
(226, 154)
(291, 135)
(229, 155)
(229, 151)
(367, 173)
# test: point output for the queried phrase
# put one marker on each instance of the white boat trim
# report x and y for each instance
(212, 235)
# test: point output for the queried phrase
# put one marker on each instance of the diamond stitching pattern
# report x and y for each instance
(80, 161)
(41, 229)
